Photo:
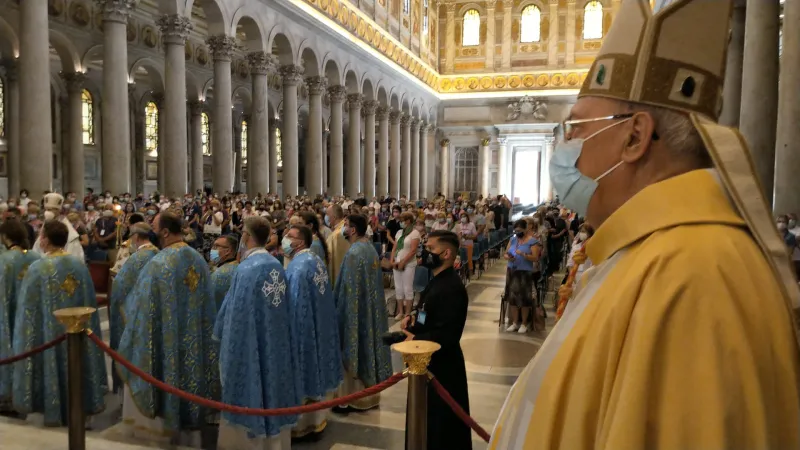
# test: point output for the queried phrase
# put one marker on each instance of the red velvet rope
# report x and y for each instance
(391, 381)
(458, 409)
(33, 351)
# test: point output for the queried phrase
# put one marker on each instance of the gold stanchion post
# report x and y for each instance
(74, 320)
(417, 356)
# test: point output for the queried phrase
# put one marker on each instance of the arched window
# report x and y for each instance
(87, 117)
(2, 108)
(593, 20)
(244, 142)
(151, 128)
(278, 147)
(204, 134)
(466, 165)
(530, 24)
(406, 6)
(471, 34)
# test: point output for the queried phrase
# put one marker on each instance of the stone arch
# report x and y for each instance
(432, 115)
(208, 87)
(467, 6)
(248, 30)
(537, 3)
(414, 108)
(280, 45)
(215, 15)
(382, 97)
(94, 55)
(193, 87)
(394, 101)
(405, 106)
(9, 41)
(367, 89)
(67, 53)
(351, 81)
(308, 59)
(242, 95)
(331, 71)
(154, 73)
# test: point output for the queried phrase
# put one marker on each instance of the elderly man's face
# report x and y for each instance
(224, 248)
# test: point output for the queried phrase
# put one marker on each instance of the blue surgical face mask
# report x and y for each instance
(327, 221)
(575, 189)
(286, 245)
(214, 255)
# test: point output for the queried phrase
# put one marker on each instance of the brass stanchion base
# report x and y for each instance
(74, 320)
(417, 356)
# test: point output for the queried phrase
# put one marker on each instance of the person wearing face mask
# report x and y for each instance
(223, 264)
(140, 251)
(788, 238)
(392, 227)
(212, 226)
(404, 263)
(468, 233)
(689, 310)
(314, 336)
(439, 317)
(441, 222)
(105, 235)
(263, 364)
(53, 203)
(23, 198)
(34, 220)
(337, 242)
(522, 253)
(359, 294)
(56, 281)
(169, 311)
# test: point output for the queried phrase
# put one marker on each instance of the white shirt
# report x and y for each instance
(408, 242)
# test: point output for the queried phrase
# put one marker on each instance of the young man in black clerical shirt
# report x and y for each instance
(440, 317)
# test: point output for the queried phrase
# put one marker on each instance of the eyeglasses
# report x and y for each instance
(569, 125)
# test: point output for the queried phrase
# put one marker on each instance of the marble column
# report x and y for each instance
(196, 110)
(502, 169)
(325, 136)
(484, 156)
(369, 109)
(174, 30)
(414, 138)
(760, 88)
(423, 161)
(222, 48)
(316, 87)
(552, 37)
(258, 170)
(394, 154)
(787, 169)
(74, 82)
(12, 125)
(162, 141)
(383, 150)
(405, 156)
(274, 126)
(505, 64)
(450, 36)
(115, 121)
(292, 75)
(444, 154)
(545, 186)
(490, 38)
(336, 178)
(570, 32)
(354, 102)
(236, 125)
(732, 89)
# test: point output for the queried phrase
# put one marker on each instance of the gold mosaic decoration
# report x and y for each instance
(192, 279)
(69, 285)
(501, 82)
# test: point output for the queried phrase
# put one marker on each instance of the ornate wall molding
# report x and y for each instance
(493, 82)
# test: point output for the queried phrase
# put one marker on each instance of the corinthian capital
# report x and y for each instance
(451, 7)
(261, 63)
(74, 81)
(175, 28)
(405, 120)
(354, 100)
(221, 47)
(291, 74)
(395, 116)
(415, 123)
(116, 10)
(369, 107)
(316, 85)
(337, 93)
(196, 107)
(382, 113)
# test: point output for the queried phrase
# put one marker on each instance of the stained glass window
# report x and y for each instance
(244, 142)
(87, 117)
(278, 149)
(204, 134)
(530, 26)
(593, 20)
(2, 108)
(471, 28)
(151, 128)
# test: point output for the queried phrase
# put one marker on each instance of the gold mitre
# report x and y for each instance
(673, 58)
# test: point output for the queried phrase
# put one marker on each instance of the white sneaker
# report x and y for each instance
(523, 329)
(514, 327)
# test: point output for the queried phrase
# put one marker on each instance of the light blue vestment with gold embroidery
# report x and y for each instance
(55, 281)
(123, 285)
(169, 320)
(221, 278)
(317, 249)
(13, 266)
(256, 361)
(315, 335)
(361, 310)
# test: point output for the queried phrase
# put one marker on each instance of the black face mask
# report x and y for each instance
(519, 234)
(431, 260)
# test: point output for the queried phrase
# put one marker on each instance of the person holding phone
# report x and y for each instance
(522, 254)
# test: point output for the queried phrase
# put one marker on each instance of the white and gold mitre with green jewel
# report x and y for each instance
(671, 55)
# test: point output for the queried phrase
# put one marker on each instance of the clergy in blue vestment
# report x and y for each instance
(223, 258)
(361, 310)
(13, 264)
(169, 322)
(57, 280)
(315, 336)
(125, 281)
(318, 246)
(256, 362)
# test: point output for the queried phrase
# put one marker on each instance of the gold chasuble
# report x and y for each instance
(682, 336)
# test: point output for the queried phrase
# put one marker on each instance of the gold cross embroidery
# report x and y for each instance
(69, 285)
(192, 279)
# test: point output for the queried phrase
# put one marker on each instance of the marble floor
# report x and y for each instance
(494, 359)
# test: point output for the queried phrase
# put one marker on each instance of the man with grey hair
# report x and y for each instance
(337, 242)
(681, 336)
